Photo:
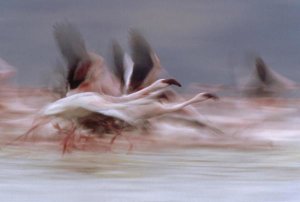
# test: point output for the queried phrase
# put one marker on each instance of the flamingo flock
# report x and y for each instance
(133, 95)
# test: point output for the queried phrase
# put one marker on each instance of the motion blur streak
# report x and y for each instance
(264, 133)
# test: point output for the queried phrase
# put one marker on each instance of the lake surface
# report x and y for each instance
(239, 171)
(174, 175)
(256, 159)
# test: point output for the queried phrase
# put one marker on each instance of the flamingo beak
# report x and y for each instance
(172, 82)
(211, 96)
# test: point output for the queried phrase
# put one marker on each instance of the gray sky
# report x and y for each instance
(197, 40)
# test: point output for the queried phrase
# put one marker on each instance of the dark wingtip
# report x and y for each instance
(172, 82)
(72, 47)
(211, 96)
(261, 69)
(118, 67)
(140, 51)
(70, 42)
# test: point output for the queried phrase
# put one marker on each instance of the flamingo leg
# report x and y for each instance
(68, 141)
(118, 133)
(40, 122)
(130, 144)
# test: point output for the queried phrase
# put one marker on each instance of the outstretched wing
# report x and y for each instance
(118, 57)
(266, 81)
(141, 56)
(58, 80)
(262, 71)
(73, 50)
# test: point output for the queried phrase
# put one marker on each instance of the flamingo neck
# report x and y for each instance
(181, 105)
(140, 93)
(133, 96)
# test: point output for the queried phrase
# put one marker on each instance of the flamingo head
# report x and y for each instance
(168, 82)
(210, 96)
(204, 96)
(163, 83)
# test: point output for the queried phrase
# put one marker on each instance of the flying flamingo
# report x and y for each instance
(134, 112)
(135, 73)
(141, 69)
(71, 109)
(264, 81)
(86, 71)
(138, 70)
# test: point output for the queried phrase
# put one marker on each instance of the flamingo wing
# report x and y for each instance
(141, 55)
(118, 56)
(73, 50)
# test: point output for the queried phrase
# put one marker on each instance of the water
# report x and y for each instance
(177, 175)
(259, 163)
(257, 159)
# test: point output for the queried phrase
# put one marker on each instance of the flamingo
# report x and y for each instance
(154, 89)
(143, 68)
(86, 71)
(105, 101)
(81, 107)
(72, 110)
(133, 112)
(136, 73)
(138, 70)
(265, 81)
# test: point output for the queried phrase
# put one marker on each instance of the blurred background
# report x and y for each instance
(197, 41)
(253, 157)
